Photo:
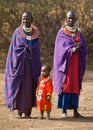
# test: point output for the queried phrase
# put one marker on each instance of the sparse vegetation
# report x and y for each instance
(48, 16)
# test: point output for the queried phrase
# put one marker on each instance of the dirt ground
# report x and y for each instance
(8, 120)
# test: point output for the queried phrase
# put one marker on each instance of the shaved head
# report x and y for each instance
(28, 14)
(71, 13)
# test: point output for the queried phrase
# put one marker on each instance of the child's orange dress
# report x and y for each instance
(44, 89)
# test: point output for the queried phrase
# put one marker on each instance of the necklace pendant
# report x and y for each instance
(28, 37)
(73, 35)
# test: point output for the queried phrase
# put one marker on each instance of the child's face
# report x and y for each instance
(44, 72)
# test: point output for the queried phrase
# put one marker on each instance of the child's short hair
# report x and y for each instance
(48, 67)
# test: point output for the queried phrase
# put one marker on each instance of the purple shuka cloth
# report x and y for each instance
(62, 55)
(15, 66)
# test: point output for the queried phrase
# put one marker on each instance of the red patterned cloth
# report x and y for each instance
(44, 89)
(72, 81)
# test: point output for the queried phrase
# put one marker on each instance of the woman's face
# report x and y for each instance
(26, 20)
(71, 19)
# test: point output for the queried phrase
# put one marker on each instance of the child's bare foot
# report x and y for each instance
(41, 117)
(48, 118)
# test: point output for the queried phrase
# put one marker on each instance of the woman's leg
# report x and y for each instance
(76, 114)
(64, 113)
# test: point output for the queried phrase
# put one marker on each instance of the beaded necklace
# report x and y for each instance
(34, 31)
(27, 29)
(71, 31)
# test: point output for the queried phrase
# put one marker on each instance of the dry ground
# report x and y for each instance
(8, 120)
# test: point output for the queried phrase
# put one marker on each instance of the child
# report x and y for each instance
(44, 92)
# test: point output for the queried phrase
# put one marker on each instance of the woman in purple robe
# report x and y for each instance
(23, 67)
(69, 64)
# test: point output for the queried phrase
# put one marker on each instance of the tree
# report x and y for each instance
(48, 16)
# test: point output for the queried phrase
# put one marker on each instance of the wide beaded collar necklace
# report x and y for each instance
(34, 34)
(74, 32)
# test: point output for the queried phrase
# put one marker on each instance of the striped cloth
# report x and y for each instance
(14, 69)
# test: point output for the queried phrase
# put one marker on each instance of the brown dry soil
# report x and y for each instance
(8, 120)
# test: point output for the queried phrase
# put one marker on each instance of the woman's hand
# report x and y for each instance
(76, 48)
